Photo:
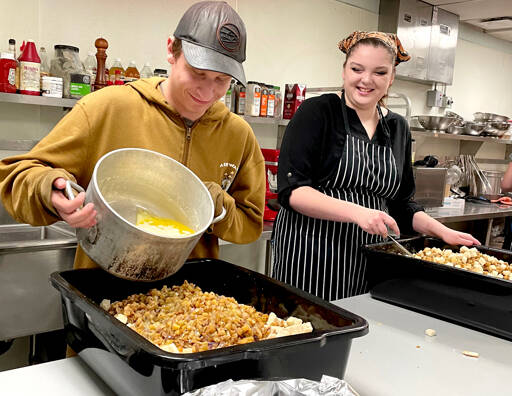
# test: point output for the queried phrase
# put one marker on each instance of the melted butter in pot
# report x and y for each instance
(160, 225)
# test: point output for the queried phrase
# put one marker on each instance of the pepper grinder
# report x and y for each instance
(101, 56)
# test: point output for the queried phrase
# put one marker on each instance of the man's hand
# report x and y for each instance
(217, 194)
(70, 211)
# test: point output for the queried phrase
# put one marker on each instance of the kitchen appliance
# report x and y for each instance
(430, 186)
(127, 179)
(428, 33)
(477, 301)
(271, 162)
(131, 365)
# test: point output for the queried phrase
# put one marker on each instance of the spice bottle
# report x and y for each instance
(271, 101)
(278, 105)
(30, 69)
(7, 72)
(146, 71)
(240, 99)
(253, 99)
(131, 73)
(264, 100)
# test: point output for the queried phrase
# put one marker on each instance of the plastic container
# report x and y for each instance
(67, 65)
(131, 73)
(131, 365)
(30, 70)
(146, 71)
(240, 99)
(8, 72)
(91, 66)
(477, 301)
(117, 65)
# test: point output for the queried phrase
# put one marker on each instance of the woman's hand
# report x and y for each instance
(69, 210)
(376, 222)
(453, 237)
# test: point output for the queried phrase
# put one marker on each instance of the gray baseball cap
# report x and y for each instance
(213, 38)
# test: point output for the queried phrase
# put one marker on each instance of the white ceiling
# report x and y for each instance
(493, 16)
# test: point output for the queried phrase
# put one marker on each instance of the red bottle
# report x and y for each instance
(30, 69)
(7, 73)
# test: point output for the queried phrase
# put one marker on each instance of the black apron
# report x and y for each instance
(324, 257)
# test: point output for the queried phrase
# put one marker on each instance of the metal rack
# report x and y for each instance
(392, 95)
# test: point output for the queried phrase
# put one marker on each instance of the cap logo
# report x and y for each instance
(228, 36)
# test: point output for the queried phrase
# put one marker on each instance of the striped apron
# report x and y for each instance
(324, 257)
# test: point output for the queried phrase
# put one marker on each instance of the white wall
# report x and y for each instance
(288, 41)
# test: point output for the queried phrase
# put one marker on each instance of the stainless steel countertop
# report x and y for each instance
(396, 358)
(471, 211)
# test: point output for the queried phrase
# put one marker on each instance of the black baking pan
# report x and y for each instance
(460, 296)
(131, 365)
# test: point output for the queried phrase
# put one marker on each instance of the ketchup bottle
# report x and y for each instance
(30, 69)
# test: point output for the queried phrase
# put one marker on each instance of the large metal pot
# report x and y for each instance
(494, 186)
(129, 178)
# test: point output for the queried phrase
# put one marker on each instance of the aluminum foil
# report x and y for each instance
(328, 386)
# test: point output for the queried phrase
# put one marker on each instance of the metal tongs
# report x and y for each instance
(399, 245)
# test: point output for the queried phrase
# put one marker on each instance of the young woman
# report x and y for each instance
(345, 177)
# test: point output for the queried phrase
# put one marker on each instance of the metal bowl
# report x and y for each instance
(474, 128)
(435, 123)
(483, 117)
(455, 129)
(459, 121)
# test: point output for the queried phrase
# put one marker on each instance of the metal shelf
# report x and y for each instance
(416, 132)
(36, 100)
(263, 120)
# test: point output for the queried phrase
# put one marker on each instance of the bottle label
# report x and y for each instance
(270, 106)
(12, 76)
(30, 76)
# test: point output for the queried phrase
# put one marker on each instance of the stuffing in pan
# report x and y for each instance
(184, 319)
(469, 259)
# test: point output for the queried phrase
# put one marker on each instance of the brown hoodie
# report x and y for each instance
(221, 148)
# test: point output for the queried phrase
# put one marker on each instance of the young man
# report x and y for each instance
(179, 116)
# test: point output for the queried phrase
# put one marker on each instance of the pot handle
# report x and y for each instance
(69, 190)
(220, 217)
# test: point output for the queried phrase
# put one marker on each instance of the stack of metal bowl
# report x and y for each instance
(474, 128)
(495, 125)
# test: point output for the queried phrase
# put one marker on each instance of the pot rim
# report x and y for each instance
(94, 180)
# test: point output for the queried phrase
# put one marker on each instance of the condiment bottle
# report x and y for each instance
(240, 99)
(45, 67)
(131, 72)
(118, 80)
(278, 106)
(90, 65)
(146, 71)
(264, 101)
(12, 50)
(116, 66)
(271, 102)
(8, 72)
(30, 69)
